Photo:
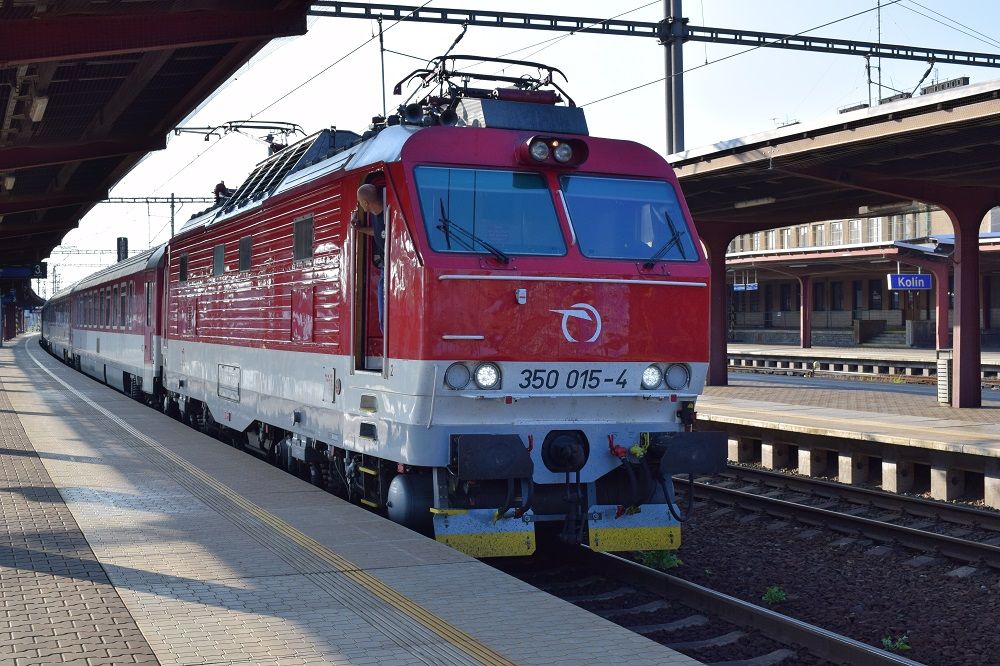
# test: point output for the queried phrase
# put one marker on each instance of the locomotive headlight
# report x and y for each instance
(539, 150)
(678, 376)
(563, 152)
(457, 376)
(487, 376)
(652, 377)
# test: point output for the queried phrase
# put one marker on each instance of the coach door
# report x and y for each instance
(147, 343)
(368, 340)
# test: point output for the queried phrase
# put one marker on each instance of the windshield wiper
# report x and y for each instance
(675, 239)
(466, 237)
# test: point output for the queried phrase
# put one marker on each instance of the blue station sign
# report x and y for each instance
(909, 281)
(38, 270)
(745, 286)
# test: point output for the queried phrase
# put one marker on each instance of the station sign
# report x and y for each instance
(747, 286)
(37, 270)
(909, 281)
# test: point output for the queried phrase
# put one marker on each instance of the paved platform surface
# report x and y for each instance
(130, 538)
(853, 410)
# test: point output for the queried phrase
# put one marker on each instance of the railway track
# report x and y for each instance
(702, 623)
(960, 532)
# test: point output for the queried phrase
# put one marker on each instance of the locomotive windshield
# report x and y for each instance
(485, 211)
(616, 218)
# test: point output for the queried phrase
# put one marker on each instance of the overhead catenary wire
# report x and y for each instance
(290, 92)
(339, 60)
(958, 26)
(733, 55)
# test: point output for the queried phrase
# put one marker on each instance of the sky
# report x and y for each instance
(307, 80)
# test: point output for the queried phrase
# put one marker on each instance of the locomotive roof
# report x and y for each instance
(315, 156)
(333, 150)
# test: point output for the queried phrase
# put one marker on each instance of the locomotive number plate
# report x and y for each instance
(574, 379)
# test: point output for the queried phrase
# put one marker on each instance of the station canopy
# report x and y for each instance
(89, 87)
(840, 167)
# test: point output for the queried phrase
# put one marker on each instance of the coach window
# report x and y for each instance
(246, 246)
(218, 260)
(114, 306)
(100, 307)
(303, 232)
(183, 268)
(122, 310)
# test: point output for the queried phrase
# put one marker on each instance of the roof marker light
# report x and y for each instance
(539, 150)
(563, 152)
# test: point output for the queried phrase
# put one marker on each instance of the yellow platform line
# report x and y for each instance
(453, 635)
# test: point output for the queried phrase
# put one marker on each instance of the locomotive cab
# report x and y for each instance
(560, 297)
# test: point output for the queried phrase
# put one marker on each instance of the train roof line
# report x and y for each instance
(141, 261)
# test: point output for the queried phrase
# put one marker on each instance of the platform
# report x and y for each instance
(900, 426)
(130, 538)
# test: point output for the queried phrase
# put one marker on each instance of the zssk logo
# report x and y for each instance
(582, 311)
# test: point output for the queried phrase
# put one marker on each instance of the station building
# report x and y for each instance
(846, 262)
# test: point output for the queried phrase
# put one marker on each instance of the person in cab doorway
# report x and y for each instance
(369, 219)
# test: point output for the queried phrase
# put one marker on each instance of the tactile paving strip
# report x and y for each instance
(413, 632)
(57, 604)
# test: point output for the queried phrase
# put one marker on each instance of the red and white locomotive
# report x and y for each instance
(543, 339)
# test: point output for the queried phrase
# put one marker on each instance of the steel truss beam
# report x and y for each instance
(666, 31)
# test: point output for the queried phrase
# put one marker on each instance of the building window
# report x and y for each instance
(303, 232)
(803, 236)
(786, 297)
(218, 260)
(837, 296)
(786, 238)
(875, 230)
(246, 246)
(854, 232)
(772, 240)
(836, 233)
(182, 268)
(875, 294)
(898, 228)
(756, 242)
(819, 233)
(819, 296)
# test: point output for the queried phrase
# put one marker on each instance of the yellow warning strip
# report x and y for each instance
(881, 425)
(442, 628)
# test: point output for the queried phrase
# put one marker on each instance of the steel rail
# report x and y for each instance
(913, 506)
(782, 628)
(960, 549)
